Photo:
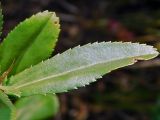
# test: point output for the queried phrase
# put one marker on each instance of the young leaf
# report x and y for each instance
(1, 19)
(37, 107)
(77, 67)
(46, 106)
(5, 113)
(35, 35)
(4, 98)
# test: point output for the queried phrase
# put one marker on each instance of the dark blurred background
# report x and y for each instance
(131, 93)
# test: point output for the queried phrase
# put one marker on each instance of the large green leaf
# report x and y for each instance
(37, 107)
(77, 67)
(30, 42)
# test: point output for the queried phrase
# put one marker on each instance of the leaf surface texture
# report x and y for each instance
(30, 42)
(77, 67)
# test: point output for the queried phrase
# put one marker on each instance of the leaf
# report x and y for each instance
(37, 107)
(5, 113)
(4, 98)
(35, 35)
(77, 67)
(1, 19)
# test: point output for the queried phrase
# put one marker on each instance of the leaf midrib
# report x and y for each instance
(77, 69)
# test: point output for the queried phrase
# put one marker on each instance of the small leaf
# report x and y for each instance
(4, 98)
(5, 113)
(37, 107)
(77, 67)
(30, 42)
